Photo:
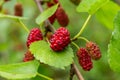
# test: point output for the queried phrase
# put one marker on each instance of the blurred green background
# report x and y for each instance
(13, 40)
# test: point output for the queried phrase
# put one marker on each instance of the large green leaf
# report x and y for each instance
(45, 54)
(107, 13)
(91, 6)
(46, 14)
(11, 17)
(114, 46)
(20, 70)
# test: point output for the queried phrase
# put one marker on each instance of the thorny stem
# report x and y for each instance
(46, 77)
(83, 27)
(47, 23)
(83, 38)
(77, 72)
(23, 25)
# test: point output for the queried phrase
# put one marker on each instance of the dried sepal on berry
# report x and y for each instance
(84, 59)
(62, 17)
(94, 50)
(18, 9)
(34, 35)
(60, 39)
(49, 35)
(28, 56)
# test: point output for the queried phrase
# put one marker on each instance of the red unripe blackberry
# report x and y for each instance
(60, 39)
(84, 59)
(18, 9)
(62, 17)
(28, 56)
(93, 50)
(34, 35)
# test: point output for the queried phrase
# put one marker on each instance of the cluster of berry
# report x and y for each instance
(34, 35)
(58, 41)
(85, 55)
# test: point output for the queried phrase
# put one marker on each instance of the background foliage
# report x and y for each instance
(13, 39)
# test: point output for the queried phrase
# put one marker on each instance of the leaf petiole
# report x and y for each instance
(83, 38)
(75, 45)
(23, 25)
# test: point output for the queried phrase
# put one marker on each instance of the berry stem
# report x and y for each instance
(83, 38)
(75, 45)
(83, 27)
(23, 25)
(46, 77)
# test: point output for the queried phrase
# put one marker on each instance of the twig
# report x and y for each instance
(77, 72)
(47, 23)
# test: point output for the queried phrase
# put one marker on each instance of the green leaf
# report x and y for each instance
(107, 13)
(91, 6)
(114, 46)
(11, 17)
(45, 54)
(20, 70)
(46, 14)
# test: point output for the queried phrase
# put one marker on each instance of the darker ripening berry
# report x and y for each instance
(62, 17)
(28, 57)
(84, 59)
(94, 50)
(52, 2)
(18, 9)
(34, 35)
(60, 39)
(52, 18)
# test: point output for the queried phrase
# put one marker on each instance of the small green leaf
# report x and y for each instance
(20, 70)
(45, 54)
(46, 14)
(11, 17)
(107, 13)
(114, 46)
(91, 6)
